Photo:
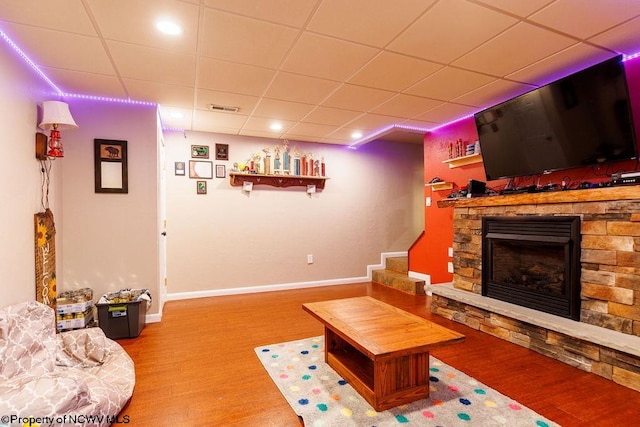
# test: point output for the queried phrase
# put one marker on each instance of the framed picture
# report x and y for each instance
(199, 151)
(221, 171)
(110, 166)
(200, 169)
(201, 187)
(179, 168)
(222, 151)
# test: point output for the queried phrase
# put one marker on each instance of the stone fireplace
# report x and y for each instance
(601, 333)
(532, 261)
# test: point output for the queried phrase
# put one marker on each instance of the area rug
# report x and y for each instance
(322, 398)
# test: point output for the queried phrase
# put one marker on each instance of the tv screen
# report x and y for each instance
(580, 120)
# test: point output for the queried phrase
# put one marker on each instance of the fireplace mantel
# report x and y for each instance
(570, 196)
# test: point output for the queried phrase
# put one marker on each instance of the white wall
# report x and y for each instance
(228, 239)
(111, 240)
(22, 90)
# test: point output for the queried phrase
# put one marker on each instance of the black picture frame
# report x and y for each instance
(110, 166)
(222, 151)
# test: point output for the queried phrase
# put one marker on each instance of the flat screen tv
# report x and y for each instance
(580, 120)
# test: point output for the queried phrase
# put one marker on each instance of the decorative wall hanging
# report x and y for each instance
(201, 187)
(110, 157)
(221, 171)
(179, 168)
(200, 151)
(45, 251)
(222, 151)
(200, 169)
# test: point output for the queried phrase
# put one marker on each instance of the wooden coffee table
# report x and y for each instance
(382, 351)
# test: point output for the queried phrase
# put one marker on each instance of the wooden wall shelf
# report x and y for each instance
(237, 179)
(464, 160)
(440, 186)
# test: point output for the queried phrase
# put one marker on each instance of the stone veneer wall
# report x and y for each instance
(610, 281)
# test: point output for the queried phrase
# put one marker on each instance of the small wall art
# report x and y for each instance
(222, 151)
(110, 165)
(200, 169)
(199, 151)
(179, 168)
(201, 187)
(221, 171)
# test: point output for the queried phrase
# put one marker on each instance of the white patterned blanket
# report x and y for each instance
(78, 377)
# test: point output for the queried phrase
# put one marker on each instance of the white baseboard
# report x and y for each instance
(284, 286)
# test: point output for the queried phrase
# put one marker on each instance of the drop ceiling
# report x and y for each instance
(323, 69)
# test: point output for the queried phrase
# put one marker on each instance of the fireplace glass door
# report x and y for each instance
(533, 261)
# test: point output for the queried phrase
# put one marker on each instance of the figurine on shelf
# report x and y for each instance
(316, 168)
(286, 157)
(276, 161)
(267, 161)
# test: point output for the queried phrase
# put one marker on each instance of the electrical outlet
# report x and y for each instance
(450, 267)
(309, 259)
(428, 201)
(450, 252)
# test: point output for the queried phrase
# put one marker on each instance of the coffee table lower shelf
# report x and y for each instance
(384, 382)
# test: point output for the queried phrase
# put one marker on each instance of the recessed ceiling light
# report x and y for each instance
(356, 135)
(169, 27)
(275, 126)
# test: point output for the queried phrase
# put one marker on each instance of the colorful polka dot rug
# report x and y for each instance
(322, 398)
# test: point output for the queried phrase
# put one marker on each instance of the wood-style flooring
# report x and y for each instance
(198, 367)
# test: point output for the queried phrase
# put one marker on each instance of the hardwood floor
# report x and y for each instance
(198, 366)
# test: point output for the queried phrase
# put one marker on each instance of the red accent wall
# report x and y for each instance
(429, 254)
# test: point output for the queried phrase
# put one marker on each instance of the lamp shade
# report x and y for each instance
(56, 114)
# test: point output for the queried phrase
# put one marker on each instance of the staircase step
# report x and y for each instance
(400, 281)
(399, 264)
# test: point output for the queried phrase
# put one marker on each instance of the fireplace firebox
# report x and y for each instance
(533, 261)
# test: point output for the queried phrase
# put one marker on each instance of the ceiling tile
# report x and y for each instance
(449, 83)
(417, 124)
(560, 64)
(624, 38)
(261, 124)
(176, 118)
(446, 113)
(77, 82)
(170, 95)
(505, 53)
(449, 30)
(309, 129)
(403, 105)
(298, 88)
(154, 65)
(330, 116)
(225, 37)
(586, 21)
(133, 21)
(64, 15)
(371, 22)
(231, 77)
(520, 8)
(80, 53)
(325, 57)
(392, 71)
(211, 121)
(497, 91)
(205, 97)
(359, 98)
(371, 122)
(281, 110)
(287, 12)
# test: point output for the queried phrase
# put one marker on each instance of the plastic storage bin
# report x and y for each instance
(122, 319)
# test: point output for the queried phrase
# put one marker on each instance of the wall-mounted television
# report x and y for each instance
(583, 119)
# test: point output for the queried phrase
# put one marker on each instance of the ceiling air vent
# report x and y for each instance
(226, 108)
